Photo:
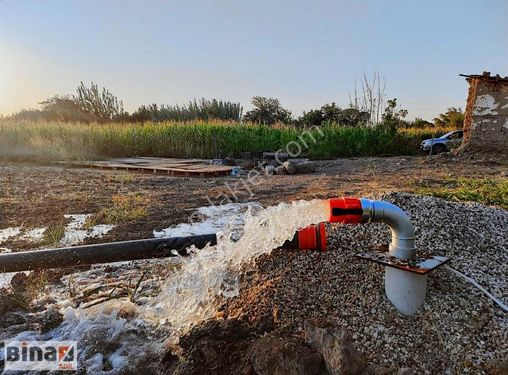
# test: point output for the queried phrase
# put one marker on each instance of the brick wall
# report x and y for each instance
(486, 117)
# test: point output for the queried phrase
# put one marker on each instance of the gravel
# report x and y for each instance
(458, 329)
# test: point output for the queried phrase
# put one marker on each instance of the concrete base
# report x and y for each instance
(405, 290)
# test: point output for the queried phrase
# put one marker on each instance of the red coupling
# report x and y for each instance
(312, 237)
(345, 210)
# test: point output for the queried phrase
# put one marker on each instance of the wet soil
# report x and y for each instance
(39, 195)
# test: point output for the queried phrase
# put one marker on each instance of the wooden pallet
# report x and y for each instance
(169, 166)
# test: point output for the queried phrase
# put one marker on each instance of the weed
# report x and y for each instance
(487, 191)
(53, 235)
(125, 208)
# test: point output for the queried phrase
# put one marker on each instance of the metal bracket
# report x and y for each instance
(421, 265)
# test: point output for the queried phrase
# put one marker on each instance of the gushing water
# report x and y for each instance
(195, 292)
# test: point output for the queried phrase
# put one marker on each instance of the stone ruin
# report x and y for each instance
(486, 116)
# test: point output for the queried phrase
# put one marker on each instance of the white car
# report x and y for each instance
(444, 143)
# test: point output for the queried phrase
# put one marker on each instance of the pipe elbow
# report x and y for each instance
(403, 233)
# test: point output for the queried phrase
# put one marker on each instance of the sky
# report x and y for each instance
(305, 53)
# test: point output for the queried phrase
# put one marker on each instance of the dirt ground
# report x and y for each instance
(39, 195)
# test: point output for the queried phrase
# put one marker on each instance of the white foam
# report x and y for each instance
(212, 220)
(7, 233)
(75, 233)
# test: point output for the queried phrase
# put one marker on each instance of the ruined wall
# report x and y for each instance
(486, 117)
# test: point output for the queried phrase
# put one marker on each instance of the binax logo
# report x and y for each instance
(40, 355)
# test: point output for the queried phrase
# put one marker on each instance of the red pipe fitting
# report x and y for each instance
(312, 237)
(345, 210)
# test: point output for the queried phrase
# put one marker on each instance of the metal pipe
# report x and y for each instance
(402, 245)
(404, 289)
(353, 210)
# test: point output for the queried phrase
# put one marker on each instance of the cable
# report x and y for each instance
(482, 289)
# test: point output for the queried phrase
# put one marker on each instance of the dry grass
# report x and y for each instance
(124, 208)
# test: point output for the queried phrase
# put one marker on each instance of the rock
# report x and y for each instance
(270, 169)
(48, 320)
(221, 345)
(336, 347)
(290, 167)
(272, 355)
(274, 163)
(19, 282)
(309, 167)
(405, 371)
(246, 164)
(376, 369)
(281, 170)
(229, 161)
(278, 156)
(498, 367)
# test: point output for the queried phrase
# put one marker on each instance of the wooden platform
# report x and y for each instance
(169, 166)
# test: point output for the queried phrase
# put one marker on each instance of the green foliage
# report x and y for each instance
(268, 111)
(203, 109)
(89, 105)
(63, 141)
(331, 113)
(453, 117)
(420, 123)
(102, 105)
(483, 190)
(66, 109)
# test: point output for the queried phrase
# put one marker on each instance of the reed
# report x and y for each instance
(212, 139)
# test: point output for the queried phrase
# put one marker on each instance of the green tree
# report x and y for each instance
(331, 113)
(393, 115)
(101, 104)
(64, 108)
(268, 111)
(453, 117)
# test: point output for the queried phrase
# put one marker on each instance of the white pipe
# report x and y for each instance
(402, 245)
(406, 290)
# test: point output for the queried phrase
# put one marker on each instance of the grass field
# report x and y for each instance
(64, 141)
(483, 190)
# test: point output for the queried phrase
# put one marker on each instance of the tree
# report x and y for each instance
(420, 123)
(371, 99)
(393, 116)
(353, 117)
(453, 117)
(267, 111)
(64, 108)
(101, 104)
(312, 118)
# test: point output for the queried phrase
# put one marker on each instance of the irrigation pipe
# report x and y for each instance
(482, 289)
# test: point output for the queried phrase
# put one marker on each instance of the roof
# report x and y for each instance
(485, 76)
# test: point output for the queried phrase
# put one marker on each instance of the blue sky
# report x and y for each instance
(306, 53)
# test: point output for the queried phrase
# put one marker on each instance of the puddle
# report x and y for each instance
(210, 219)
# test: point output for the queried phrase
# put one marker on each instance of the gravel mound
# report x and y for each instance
(458, 329)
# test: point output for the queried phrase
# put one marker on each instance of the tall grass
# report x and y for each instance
(67, 141)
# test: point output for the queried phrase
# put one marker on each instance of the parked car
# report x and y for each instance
(444, 143)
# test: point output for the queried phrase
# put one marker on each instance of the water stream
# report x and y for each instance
(192, 294)
(195, 292)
